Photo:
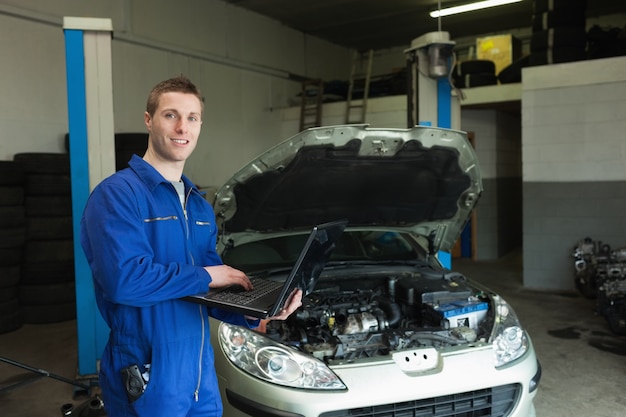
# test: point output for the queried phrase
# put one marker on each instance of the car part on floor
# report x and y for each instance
(601, 274)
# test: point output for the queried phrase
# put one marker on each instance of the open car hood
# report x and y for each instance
(424, 180)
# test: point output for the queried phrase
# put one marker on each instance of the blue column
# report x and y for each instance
(444, 119)
(90, 327)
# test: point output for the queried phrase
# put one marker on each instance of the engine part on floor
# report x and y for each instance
(601, 274)
(94, 407)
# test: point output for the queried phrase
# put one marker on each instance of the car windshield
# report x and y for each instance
(283, 251)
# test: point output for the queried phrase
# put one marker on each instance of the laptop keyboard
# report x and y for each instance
(240, 296)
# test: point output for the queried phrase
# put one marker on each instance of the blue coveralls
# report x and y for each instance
(146, 253)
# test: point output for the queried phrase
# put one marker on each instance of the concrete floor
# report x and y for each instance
(584, 364)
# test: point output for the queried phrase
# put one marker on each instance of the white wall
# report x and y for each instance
(574, 118)
(242, 62)
(574, 164)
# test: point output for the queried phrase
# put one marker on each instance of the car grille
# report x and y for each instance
(490, 402)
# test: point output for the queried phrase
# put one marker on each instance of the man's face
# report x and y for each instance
(175, 126)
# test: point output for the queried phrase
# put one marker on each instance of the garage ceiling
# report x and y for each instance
(379, 24)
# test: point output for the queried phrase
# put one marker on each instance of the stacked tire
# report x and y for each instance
(127, 145)
(474, 73)
(558, 32)
(12, 237)
(47, 287)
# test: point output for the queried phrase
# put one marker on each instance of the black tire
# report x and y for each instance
(47, 273)
(48, 206)
(12, 238)
(556, 56)
(127, 145)
(44, 314)
(10, 315)
(48, 251)
(605, 43)
(540, 6)
(11, 195)
(8, 293)
(557, 18)
(12, 216)
(10, 256)
(476, 66)
(48, 184)
(479, 80)
(513, 73)
(11, 173)
(558, 38)
(47, 294)
(44, 163)
(10, 276)
(49, 228)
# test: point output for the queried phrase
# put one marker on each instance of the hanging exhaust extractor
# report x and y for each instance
(433, 52)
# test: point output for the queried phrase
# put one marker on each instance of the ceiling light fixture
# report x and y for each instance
(470, 7)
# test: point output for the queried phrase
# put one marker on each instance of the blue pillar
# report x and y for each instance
(444, 119)
(81, 65)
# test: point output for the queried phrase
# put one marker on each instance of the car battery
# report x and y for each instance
(433, 287)
(462, 313)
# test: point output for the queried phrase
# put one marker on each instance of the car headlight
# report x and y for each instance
(273, 362)
(508, 338)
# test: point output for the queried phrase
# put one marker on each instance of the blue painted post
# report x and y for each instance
(444, 119)
(91, 329)
(79, 166)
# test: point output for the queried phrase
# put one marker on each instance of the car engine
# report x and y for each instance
(367, 316)
(600, 273)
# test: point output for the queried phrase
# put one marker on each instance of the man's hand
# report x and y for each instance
(292, 304)
(224, 275)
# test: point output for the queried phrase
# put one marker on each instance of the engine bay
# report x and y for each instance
(364, 316)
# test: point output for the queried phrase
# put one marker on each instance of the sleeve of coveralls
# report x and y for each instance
(121, 257)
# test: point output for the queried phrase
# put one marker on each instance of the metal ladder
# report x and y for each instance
(352, 116)
(311, 103)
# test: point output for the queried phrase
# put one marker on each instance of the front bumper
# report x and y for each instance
(466, 382)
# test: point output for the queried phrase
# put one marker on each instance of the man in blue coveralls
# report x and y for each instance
(150, 239)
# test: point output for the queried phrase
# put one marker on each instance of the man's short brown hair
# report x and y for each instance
(180, 84)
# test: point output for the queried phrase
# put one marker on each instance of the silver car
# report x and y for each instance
(388, 330)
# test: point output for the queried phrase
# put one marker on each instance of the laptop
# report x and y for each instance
(269, 297)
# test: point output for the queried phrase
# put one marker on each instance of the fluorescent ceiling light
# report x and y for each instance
(470, 7)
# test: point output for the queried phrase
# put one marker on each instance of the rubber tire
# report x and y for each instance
(12, 237)
(513, 72)
(558, 38)
(10, 316)
(479, 80)
(47, 273)
(49, 228)
(10, 276)
(11, 195)
(10, 256)
(47, 294)
(12, 216)
(45, 314)
(540, 6)
(557, 18)
(48, 184)
(556, 56)
(48, 251)
(475, 66)
(127, 145)
(48, 205)
(43, 163)
(11, 173)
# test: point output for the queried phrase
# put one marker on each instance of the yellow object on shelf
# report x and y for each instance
(501, 49)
